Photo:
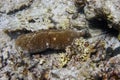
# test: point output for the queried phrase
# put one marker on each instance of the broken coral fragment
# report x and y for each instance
(81, 48)
(63, 59)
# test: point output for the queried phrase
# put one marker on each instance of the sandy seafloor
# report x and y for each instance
(99, 17)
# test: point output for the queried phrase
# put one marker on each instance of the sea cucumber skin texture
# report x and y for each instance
(44, 39)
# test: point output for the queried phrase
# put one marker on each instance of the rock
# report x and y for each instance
(13, 6)
(38, 15)
(104, 9)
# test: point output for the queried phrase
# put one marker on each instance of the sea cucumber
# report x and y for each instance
(45, 39)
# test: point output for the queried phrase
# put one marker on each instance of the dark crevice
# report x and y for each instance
(31, 21)
(2, 12)
(53, 21)
(75, 15)
(112, 52)
(23, 7)
(16, 33)
(48, 51)
(102, 23)
(80, 4)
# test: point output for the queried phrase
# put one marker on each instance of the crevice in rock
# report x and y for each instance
(102, 24)
(16, 33)
(31, 21)
(23, 7)
(80, 4)
(2, 12)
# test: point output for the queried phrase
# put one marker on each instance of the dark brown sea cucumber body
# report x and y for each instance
(44, 39)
